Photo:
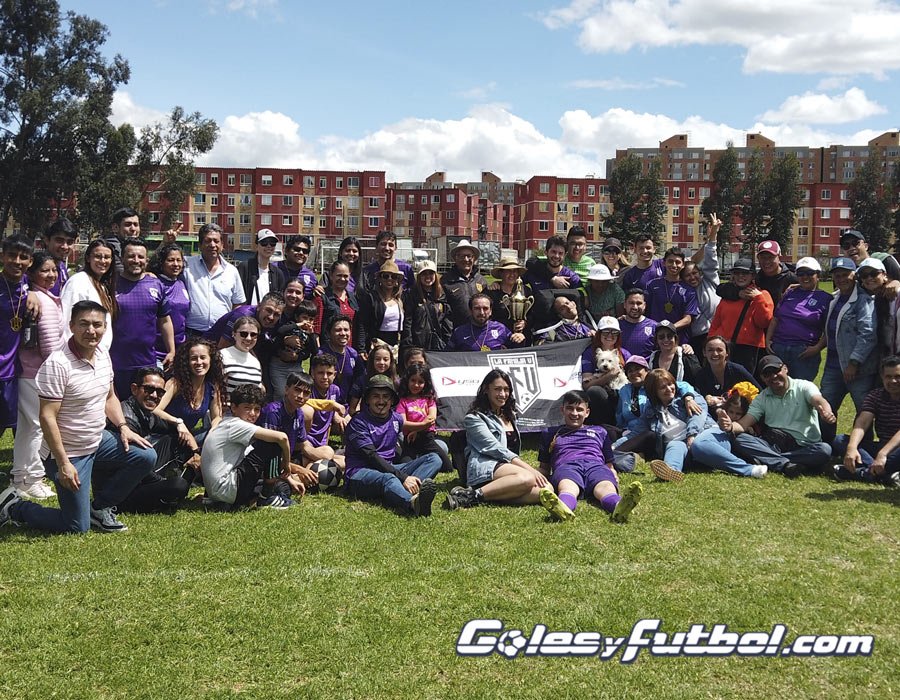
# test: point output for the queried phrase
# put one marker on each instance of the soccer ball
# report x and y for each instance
(511, 643)
(329, 474)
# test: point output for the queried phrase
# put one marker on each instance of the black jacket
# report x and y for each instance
(368, 319)
(459, 290)
(248, 270)
(331, 307)
(427, 323)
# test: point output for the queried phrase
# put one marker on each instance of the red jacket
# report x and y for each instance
(753, 327)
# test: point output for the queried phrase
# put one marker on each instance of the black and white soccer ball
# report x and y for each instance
(511, 642)
(329, 474)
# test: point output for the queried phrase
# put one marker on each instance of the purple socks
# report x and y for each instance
(609, 502)
(569, 500)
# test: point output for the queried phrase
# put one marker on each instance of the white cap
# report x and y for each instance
(600, 273)
(608, 323)
(808, 264)
(426, 266)
(265, 234)
(874, 263)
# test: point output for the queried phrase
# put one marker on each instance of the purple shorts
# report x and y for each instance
(585, 476)
(9, 403)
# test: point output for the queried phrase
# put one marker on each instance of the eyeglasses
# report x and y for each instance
(852, 243)
(248, 334)
(149, 389)
(806, 273)
(867, 274)
(304, 251)
(609, 334)
(267, 244)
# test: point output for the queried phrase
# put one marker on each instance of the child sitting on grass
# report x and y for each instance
(325, 409)
(419, 410)
(579, 459)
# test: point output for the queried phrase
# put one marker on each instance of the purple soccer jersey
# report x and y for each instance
(304, 274)
(349, 368)
(585, 446)
(321, 420)
(141, 304)
(224, 327)
(637, 338)
(275, 416)
(671, 301)
(493, 336)
(636, 277)
(364, 430)
(179, 305)
(801, 316)
(12, 307)
(62, 270)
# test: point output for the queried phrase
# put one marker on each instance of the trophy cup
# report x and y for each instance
(518, 305)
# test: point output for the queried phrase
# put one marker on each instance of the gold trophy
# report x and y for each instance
(518, 305)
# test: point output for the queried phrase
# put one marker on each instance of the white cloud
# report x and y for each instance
(479, 92)
(800, 36)
(125, 109)
(251, 8)
(812, 108)
(834, 82)
(620, 84)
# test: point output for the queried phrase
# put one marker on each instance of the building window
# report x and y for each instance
(451, 214)
(576, 210)
(373, 222)
(153, 196)
(704, 192)
(199, 219)
(374, 182)
(200, 178)
(576, 190)
(309, 181)
(339, 183)
(451, 198)
(562, 208)
(231, 180)
(353, 182)
(309, 202)
(323, 183)
(692, 193)
(287, 220)
(826, 213)
(824, 232)
(338, 203)
(287, 179)
(543, 207)
(246, 179)
(690, 212)
(230, 220)
(266, 200)
(245, 240)
(246, 200)
(214, 178)
(353, 222)
(674, 230)
(435, 199)
(231, 200)
(592, 190)
(266, 180)
(245, 219)
(826, 194)
(339, 223)
(543, 225)
(803, 231)
(562, 226)
(308, 221)
(323, 222)
(401, 199)
(424, 199)
(266, 219)
(544, 188)
(676, 212)
(845, 195)
(562, 190)
(845, 213)
(153, 217)
(423, 217)
(590, 210)
(450, 230)
(287, 200)
(323, 203)
(676, 193)
(199, 198)
(373, 202)
(353, 202)
(214, 200)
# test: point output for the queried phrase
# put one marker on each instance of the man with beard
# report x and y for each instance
(637, 329)
(481, 333)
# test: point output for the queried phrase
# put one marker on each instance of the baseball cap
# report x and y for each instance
(637, 360)
(426, 266)
(608, 323)
(613, 243)
(380, 381)
(770, 362)
(600, 273)
(769, 247)
(808, 264)
(852, 233)
(665, 325)
(266, 234)
(843, 264)
(871, 264)
(745, 264)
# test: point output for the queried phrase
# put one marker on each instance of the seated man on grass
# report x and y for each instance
(371, 441)
(231, 475)
(579, 459)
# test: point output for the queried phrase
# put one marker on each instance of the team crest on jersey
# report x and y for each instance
(523, 369)
(495, 333)
(812, 303)
(648, 331)
(154, 293)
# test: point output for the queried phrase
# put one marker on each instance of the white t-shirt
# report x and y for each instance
(223, 450)
(240, 368)
(262, 286)
(392, 318)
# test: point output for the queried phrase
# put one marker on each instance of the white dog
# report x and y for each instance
(608, 361)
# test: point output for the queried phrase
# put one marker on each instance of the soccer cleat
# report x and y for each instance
(38, 491)
(461, 497)
(274, 502)
(758, 471)
(664, 472)
(627, 503)
(421, 502)
(558, 510)
(105, 520)
(8, 499)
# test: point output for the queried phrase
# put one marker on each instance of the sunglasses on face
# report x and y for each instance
(391, 276)
(248, 334)
(806, 273)
(267, 244)
(148, 389)
(609, 334)
(304, 251)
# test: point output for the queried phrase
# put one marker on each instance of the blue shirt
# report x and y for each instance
(212, 295)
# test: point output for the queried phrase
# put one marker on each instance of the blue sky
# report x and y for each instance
(519, 88)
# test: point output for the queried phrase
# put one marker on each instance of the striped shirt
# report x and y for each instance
(82, 388)
(886, 412)
(240, 368)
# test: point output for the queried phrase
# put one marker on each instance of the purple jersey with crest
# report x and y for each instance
(364, 430)
(584, 446)
(493, 335)
(681, 297)
(12, 304)
(275, 416)
(635, 277)
(637, 338)
(321, 420)
(801, 316)
(141, 303)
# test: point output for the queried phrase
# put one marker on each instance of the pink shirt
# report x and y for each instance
(416, 408)
(82, 390)
(50, 331)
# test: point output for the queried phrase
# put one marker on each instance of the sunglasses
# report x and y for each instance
(148, 389)
(305, 251)
(609, 333)
(268, 244)
(390, 276)
(867, 274)
(248, 334)
(806, 273)
(851, 244)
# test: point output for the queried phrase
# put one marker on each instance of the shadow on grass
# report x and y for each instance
(889, 496)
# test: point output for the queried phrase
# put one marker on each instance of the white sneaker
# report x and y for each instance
(759, 471)
(38, 491)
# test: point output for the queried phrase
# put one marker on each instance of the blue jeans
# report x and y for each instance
(124, 471)
(713, 448)
(757, 451)
(866, 449)
(676, 452)
(799, 368)
(834, 389)
(373, 485)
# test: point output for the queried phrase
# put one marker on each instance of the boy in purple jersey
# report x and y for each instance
(16, 257)
(143, 316)
(296, 253)
(371, 442)
(331, 412)
(670, 299)
(646, 268)
(348, 364)
(637, 330)
(579, 459)
(59, 238)
(550, 273)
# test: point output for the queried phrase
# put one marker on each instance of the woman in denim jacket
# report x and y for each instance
(495, 471)
(674, 425)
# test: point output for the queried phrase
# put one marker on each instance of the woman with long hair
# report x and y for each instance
(337, 299)
(495, 471)
(672, 357)
(380, 314)
(195, 393)
(349, 253)
(718, 375)
(428, 322)
(603, 397)
(167, 264)
(96, 282)
(28, 468)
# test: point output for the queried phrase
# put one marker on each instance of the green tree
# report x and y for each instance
(754, 209)
(725, 195)
(784, 197)
(895, 205)
(653, 203)
(56, 93)
(870, 203)
(625, 192)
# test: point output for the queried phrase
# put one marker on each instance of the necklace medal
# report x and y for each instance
(669, 307)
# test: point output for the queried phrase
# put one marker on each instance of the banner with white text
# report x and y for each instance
(540, 376)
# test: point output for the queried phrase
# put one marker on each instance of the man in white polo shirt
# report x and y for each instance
(213, 284)
(76, 394)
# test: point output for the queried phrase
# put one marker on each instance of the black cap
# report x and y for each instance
(665, 325)
(612, 243)
(770, 362)
(744, 264)
(852, 233)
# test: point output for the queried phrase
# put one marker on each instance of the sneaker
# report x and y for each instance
(461, 497)
(558, 509)
(791, 470)
(421, 502)
(629, 500)
(893, 480)
(38, 491)
(275, 502)
(758, 471)
(105, 520)
(664, 472)
(8, 499)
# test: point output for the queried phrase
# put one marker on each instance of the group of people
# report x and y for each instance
(142, 375)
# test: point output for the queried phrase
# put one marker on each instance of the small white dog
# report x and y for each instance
(608, 361)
